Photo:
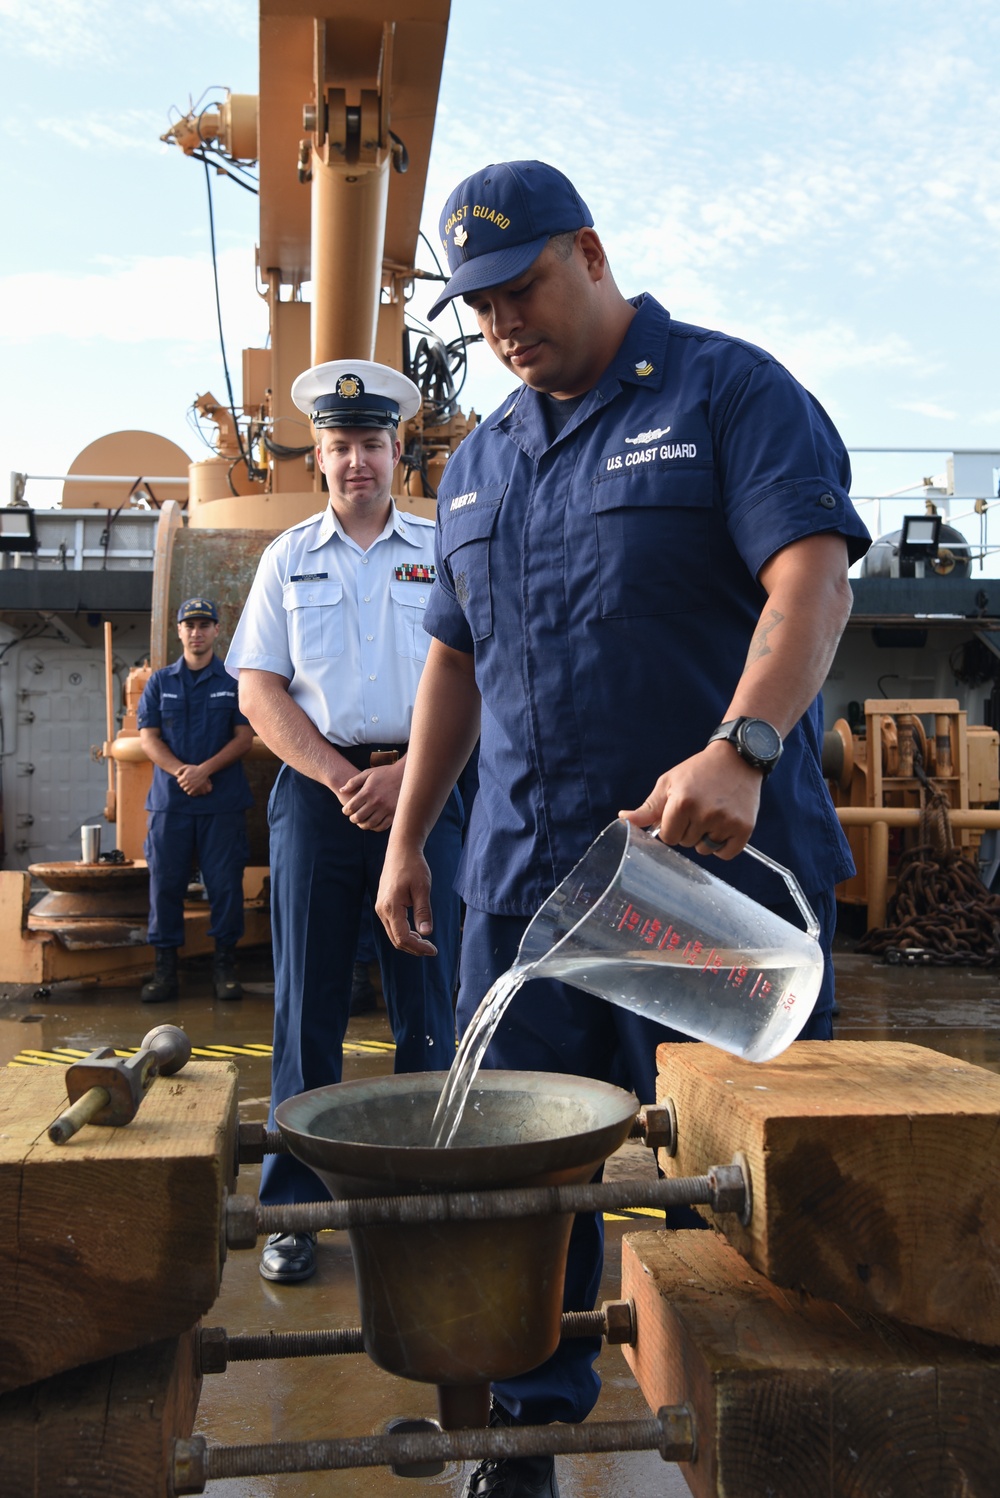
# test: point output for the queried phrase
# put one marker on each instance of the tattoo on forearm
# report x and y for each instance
(758, 645)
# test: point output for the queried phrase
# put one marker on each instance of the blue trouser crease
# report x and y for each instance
(217, 843)
(321, 867)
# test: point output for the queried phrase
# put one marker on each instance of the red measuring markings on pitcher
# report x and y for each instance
(652, 933)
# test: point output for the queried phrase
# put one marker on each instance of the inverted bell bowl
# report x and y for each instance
(457, 1303)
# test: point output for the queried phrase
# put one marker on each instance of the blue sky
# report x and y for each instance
(823, 180)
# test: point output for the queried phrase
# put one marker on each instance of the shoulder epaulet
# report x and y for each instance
(298, 526)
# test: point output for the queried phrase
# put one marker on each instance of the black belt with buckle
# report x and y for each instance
(370, 756)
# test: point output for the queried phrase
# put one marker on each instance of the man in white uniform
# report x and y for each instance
(328, 652)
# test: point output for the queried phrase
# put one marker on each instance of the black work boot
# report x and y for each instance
(513, 1476)
(224, 979)
(162, 986)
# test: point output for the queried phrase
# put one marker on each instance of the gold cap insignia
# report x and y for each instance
(349, 387)
(643, 368)
(461, 235)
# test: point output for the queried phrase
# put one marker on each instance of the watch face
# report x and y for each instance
(761, 740)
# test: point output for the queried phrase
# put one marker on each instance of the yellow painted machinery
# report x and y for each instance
(880, 779)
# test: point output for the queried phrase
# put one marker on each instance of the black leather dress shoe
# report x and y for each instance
(289, 1257)
(515, 1477)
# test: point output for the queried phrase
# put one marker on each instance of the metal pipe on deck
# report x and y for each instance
(878, 820)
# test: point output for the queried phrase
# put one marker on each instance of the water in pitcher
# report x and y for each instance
(644, 928)
(750, 1007)
(753, 1009)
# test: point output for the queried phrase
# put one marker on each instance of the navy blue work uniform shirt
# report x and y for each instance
(606, 581)
(196, 713)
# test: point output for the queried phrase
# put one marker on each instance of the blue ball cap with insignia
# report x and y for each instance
(197, 608)
(498, 221)
(355, 393)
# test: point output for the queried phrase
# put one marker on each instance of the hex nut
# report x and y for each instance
(241, 1221)
(659, 1124)
(213, 1349)
(619, 1321)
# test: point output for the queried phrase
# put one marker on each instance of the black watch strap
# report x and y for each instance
(754, 739)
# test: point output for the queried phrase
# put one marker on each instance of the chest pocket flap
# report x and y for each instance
(470, 516)
(656, 532)
(408, 603)
(467, 522)
(650, 487)
(315, 618)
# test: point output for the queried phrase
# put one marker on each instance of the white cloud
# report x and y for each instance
(121, 129)
(76, 32)
(167, 299)
(926, 408)
(891, 166)
(816, 351)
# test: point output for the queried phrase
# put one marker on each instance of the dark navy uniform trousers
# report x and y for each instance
(217, 843)
(550, 1026)
(321, 866)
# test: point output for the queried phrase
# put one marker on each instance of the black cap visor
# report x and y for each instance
(334, 411)
(492, 269)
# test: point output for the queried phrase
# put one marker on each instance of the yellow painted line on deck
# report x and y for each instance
(633, 1212)
(228, 1050)
(63, 1055)
(57, 1054)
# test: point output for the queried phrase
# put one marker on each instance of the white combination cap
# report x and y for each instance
(356, 393)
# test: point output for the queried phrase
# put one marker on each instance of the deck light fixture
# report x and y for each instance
(17, 529)
(919, 540)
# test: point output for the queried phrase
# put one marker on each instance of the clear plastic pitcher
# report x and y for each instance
(638, 924)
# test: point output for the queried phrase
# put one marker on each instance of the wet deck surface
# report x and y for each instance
(953, 1010)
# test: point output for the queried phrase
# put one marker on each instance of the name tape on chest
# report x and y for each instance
(309, 577)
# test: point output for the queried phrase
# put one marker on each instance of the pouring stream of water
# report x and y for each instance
(642, 927)
(451, 1104)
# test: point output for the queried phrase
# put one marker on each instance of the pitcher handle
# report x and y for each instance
(794, 887)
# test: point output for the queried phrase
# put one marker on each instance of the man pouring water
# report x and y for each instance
(642, 577)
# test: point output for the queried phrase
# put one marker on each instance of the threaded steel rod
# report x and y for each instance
(671, 1432)
(484, 1206)
(582, 1324)
(252, 1347)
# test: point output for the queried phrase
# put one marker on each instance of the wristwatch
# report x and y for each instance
(754, 739)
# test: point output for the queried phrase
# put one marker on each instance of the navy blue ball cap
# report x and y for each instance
(355, 393)
(498, 221)
(197, 608)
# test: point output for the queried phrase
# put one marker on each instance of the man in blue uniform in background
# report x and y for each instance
(329, 653)
(642, 578)
(192, 729)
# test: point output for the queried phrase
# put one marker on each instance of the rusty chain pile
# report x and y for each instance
(941, 912)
